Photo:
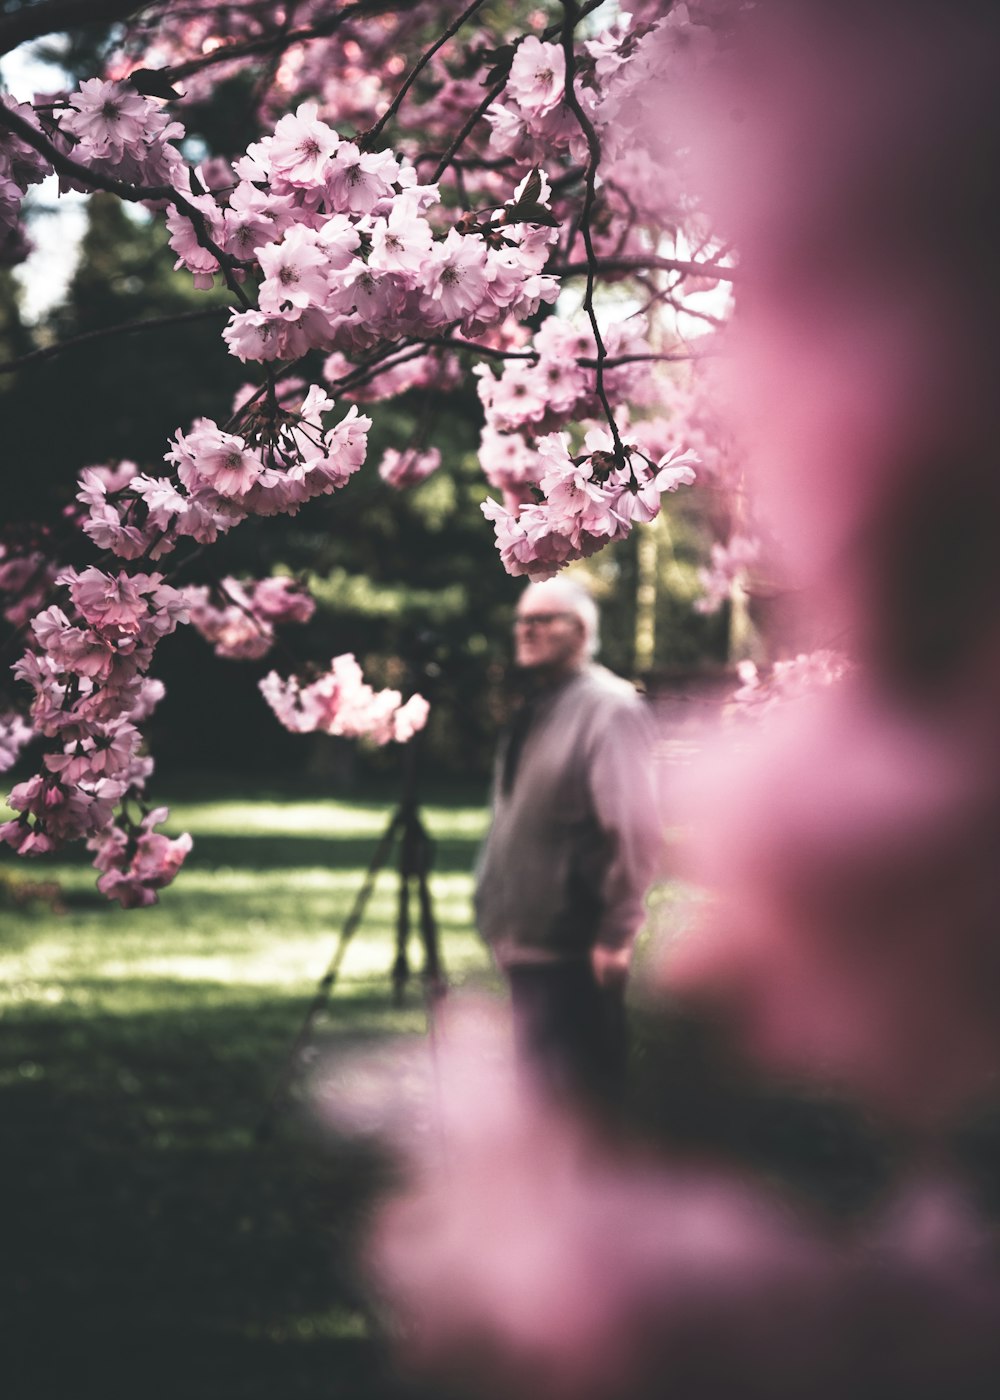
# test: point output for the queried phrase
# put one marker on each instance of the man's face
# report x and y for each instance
(547, 635)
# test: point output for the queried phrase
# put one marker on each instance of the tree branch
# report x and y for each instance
(151, 323)
(474, 117)
(53, 16)
(571, 17)
(642, 262)
(278, 41)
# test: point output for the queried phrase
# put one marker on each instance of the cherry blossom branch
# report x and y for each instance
(368, 371)
(108, 332)
(278, 42)
(366, 141)
(571, 17)
(134, 194)
(491, 351)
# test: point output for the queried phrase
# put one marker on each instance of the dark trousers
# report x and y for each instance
(570, 1033)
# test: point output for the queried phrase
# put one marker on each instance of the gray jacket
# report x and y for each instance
(576, 841)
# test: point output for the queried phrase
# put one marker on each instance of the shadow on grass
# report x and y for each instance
(279, 852)
(151, 1246)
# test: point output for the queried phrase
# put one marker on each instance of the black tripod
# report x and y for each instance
(415, 856)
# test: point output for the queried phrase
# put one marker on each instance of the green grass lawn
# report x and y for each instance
(150, 1246)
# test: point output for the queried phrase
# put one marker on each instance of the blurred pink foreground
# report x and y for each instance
(847, 842)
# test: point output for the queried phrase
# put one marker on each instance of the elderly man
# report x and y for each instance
(574, 843)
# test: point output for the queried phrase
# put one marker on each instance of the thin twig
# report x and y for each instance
(470, 122)
(370, 135)
(650, 262)
(571, 16)
(151, 323)
(278, 42)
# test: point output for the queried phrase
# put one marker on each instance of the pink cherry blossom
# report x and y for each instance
(137, 863)
(537, 75)
(107, 117)
(208, 456)
(294, 271)
(301, 147)
(14, 735)
(403, 469)
(455, 277)
(357, 183)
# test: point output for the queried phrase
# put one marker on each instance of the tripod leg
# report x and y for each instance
(326, 982)
(434, 975)
(401, 967)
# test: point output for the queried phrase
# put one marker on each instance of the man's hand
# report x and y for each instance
(610, 964)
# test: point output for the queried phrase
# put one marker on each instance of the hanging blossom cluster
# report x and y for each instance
(587, 501)
(331, 246)
(118, 131)
(347, 255)
(281, 460)
(556, 387)
(88, 669)
(341, 702)
(15, 734)
(26, 577)
(109, 127)
(242, 628)
(20, 167)
(138, 861)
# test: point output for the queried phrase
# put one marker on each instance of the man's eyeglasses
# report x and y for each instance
(540, 619)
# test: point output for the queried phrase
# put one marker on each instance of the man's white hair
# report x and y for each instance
(566, 595)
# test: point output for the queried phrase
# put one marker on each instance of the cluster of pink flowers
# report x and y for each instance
(642, 72)
(340, 702)
(136, 861)
(26, 576)
(20, 166)
(118, 131)
(587, 500)
(14, 735)
(281, 460)
(242, 629)
(622, 75)
(408, 468)
(555, 388)
(540, 395)
(347, 254)
(347, 250)
(532, 116)
(88, 671)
